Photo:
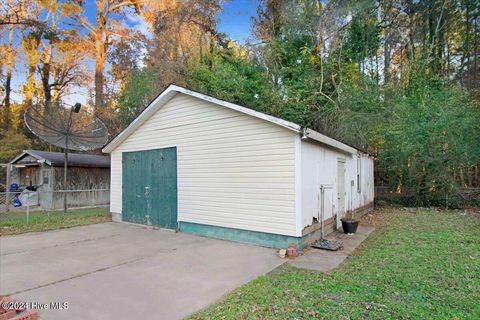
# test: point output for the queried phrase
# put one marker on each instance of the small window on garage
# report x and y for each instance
(359, 173)
(45, 176)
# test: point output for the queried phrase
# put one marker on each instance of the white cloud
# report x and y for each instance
(137, 22)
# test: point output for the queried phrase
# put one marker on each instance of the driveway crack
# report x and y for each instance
(58, 245)
(79, 275)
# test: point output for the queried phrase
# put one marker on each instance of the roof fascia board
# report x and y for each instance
(29, 153)
(260, 115)
(172, 90)
(317, 136)
(33, 154)
(19, 157)
(163, 98)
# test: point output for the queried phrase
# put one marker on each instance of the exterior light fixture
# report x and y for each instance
(304, 134)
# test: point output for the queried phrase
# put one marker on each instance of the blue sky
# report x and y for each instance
(235, 20)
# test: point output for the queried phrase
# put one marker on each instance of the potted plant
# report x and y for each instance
(349, 223)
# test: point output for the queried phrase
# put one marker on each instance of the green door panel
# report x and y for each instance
(149, 187)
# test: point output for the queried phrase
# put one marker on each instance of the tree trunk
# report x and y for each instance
(31, 44)
(46, 82)
(99, 77)
(477, 181)
(100, 60)
(386, 44)
(45, 75)
(441, 44)
(410, 11)
(466, 50)
(447, 48)
(431, 38)
(462, 177)
(411, 22)
(8, 90)
(8, 80)
(56, 89)
(475, 52)
(386, 59)
(30, 85)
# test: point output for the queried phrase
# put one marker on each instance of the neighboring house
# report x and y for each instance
(206, 166)
(44, 171)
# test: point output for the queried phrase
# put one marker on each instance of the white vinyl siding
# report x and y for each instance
(234, 170)
(319, 166)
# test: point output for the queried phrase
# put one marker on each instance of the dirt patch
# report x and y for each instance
(382, 214)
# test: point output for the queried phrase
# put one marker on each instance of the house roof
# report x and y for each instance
(56, 159)
(173, 90)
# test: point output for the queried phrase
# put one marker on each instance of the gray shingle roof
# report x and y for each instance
(74, 159)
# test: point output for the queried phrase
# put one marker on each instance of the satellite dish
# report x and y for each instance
(56, 124)
(68, 127)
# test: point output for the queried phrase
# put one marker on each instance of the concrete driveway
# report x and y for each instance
(120, 271)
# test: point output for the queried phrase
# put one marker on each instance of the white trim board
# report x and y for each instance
(172, 90)
(298, 186)
(32, 154)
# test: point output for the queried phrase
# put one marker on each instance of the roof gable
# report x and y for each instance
(173, 90)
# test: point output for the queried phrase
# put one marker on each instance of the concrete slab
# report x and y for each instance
(120, 271)
(326, 261)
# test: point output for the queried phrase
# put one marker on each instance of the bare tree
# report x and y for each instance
(10, 54)
(99, 36)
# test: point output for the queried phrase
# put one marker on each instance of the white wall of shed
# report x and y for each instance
(319, 166)
(367, 194)
(234, 170)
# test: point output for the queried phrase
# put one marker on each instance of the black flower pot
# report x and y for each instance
(349, 226)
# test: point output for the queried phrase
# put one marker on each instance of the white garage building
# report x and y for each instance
(202, 165)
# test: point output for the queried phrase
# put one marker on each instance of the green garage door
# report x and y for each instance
(149, 187)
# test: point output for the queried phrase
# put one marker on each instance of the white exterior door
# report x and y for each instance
(340, 190)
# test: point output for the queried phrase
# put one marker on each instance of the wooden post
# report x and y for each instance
(7, 187)
(65, 163)
(65, 169)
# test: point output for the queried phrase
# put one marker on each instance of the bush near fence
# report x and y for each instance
(468, 197)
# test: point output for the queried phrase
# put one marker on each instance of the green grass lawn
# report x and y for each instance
(15, 222)
(416, 265)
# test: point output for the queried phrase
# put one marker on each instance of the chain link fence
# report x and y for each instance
(23, 204)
